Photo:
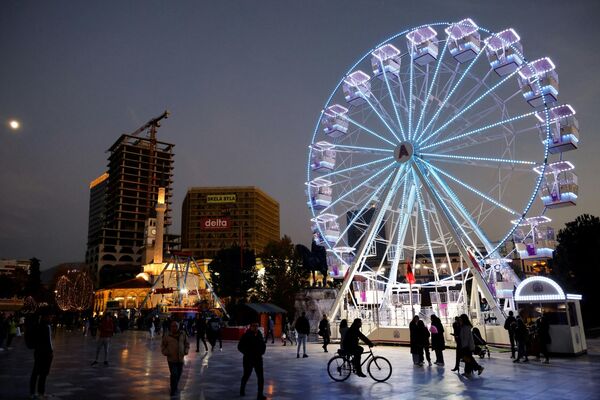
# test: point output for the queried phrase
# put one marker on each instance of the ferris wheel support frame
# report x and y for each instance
(473, 268)
(364, 246)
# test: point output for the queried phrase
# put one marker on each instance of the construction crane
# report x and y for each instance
(151, 127)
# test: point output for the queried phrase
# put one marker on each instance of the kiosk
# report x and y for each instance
(540, 295)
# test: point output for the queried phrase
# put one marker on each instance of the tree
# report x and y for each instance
(228, 278)
(284, 274)
(574, 264)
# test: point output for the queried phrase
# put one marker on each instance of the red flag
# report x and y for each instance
(410, 277)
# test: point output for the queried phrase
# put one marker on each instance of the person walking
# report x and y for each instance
(42, 355)
(438, 344)
(325, 332)
(152, 328)
(200, 324)
(456, 335)
(252, 346)
(213, 333)
(270, 330)
(510, 325)
(302, 326)
(12, 331)
(175, 347)
(416, 341)
(286, 334)
(424, 336)
(343, 330)
(522, 336)
(467, 346)
(543, 329)
(351, 346)
(107, 330)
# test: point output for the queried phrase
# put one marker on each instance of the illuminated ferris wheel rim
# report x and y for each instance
(411, 147)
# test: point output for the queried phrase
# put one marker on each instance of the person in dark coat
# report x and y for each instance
(543, 330)
(424, 337)
(252, 346)
(302, 326)
(200, 323)
(213, 332)
(467, 345)
(438, 343)
(522, 336)
(456, 335)
(416, 341)
(351, 344)
(270, 330)
(510, 325)
(325, 332)
(42, 355)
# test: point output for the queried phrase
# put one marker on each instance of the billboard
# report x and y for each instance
(215, 223)
(221, 198)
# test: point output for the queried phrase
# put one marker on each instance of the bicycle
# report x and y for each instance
(341, 366)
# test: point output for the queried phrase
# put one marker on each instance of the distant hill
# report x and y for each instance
(48, 274)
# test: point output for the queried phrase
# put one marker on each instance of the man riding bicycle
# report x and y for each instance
(351, 347)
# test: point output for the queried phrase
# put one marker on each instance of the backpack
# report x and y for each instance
(31, 326)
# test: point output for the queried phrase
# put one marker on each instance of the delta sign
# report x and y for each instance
(215, 223)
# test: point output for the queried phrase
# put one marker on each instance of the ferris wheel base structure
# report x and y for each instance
(451, 137)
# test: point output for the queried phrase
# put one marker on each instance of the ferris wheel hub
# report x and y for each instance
(403, 152)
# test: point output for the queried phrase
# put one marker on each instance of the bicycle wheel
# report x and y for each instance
(379, 368)
(339, 369)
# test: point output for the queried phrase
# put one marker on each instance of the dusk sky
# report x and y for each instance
(245, 82)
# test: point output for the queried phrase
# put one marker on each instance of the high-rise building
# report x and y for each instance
(123, 199)
(215, 218)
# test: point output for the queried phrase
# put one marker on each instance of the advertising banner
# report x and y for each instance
(221, 198)
(215, 223)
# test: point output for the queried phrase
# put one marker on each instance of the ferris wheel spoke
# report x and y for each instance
(410, 98)
(361, 149)
(478, 130)
(457, 85)
(425, 225)
(468, 107)
(433, 81)
(444, 202)
(471, 189)
(342, 171)
(366, 204)
(392, 99)
(485, 161)
(364, 128)
(382, 117)
(359, 186)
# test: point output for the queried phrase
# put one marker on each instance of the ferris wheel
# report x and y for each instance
(436, 143)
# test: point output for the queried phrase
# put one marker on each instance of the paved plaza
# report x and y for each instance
(137, 370)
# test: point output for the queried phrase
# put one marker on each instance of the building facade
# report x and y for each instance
(214, 218)
(124, 198)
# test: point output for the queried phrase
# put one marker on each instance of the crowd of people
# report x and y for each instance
(176, 332)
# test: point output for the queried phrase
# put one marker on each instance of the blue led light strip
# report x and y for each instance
(499, 160)
(368, 130)
(425, 226)
(387, 83)
(381, 118)
(467, 108)
(441, 107)
(358, 186)
(472, 189)
(426, 99)
(355, 167)
(410, 95)
(344, 146)
(478, 130)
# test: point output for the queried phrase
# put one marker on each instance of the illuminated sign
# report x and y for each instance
(221, 198)
(215, 223)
